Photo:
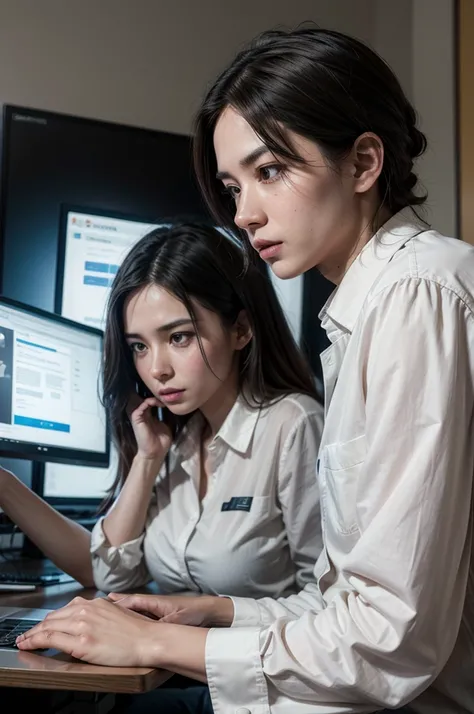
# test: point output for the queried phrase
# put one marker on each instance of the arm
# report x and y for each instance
(126, 520)
(117, 540)
(66, 543)
(298, 493)
(391, 623)
(116, 547)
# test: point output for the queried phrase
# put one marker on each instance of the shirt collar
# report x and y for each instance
(345, 303)
(238, 428)
(236, 431)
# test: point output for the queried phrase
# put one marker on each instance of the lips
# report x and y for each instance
(267, 249)
(260, 244)
(170, 395)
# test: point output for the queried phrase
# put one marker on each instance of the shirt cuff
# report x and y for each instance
(127, 555)
(234, 671)
(246, 612)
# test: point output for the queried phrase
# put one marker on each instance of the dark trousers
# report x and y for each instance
(179, 695)
(185, 696)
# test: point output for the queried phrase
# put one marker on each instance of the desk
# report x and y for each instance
(57, 671)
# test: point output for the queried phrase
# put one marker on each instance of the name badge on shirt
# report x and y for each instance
(238, 503)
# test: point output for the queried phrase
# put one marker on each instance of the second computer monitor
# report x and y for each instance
(49, 386)
(92, 246)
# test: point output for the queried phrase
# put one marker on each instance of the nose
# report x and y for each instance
(161, 368)
(249, 214)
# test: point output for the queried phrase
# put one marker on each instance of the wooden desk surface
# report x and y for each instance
(55, 670)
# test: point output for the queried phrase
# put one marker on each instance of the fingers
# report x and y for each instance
(117, 596)
(46, 639)
(178, 617)
(133, 602)
(44, 631)
(144, 406)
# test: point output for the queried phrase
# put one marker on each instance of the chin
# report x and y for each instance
(285, 269)
(181, 409)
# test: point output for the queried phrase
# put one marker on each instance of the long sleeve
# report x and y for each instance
(117, 568)
(298, 493)
(394, 610)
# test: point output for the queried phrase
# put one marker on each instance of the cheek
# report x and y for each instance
(143, 369)
(219, 360)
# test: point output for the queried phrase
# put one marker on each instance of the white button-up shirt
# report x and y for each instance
(257, 532)
(391, 618)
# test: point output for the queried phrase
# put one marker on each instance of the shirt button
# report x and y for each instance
(242, 710)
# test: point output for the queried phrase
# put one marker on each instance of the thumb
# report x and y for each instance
(140, 603)
(177, 617)
(116, 597)
(131, 602)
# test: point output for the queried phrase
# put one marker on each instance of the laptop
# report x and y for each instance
(16, 620)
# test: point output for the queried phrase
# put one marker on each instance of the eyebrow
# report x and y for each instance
(164, 328)
(247, 161)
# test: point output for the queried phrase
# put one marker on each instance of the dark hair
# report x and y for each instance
(323, 85)
(197, 262)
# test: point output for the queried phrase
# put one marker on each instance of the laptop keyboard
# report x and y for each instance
(11, 627)
(39, 579)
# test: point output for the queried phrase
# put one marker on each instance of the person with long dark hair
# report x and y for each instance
(307, 142)
(219, 495)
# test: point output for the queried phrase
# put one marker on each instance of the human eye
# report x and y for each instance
(269, 173)
(181, 339)
(137, 347)
(232, 191)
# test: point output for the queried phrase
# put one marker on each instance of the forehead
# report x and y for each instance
(234, 139)
(152, 303)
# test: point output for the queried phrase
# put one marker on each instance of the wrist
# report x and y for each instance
(220, 612)
(147, 465)
(178, 648)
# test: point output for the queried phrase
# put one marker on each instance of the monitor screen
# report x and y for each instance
(49, 372)
(92, 247)
(50, 160)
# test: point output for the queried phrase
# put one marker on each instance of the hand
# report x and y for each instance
(153, 436)
(96, 631)
(200, 611)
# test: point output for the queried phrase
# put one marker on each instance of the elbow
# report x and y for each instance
(87, 583)
(110, 583)
(419, 673)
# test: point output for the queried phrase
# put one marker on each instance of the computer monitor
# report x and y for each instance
(92, 245)
(49, 381)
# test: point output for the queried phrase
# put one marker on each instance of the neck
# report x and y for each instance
(216, 410)
(368, 223)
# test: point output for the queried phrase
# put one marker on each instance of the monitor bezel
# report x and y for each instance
(56, 454)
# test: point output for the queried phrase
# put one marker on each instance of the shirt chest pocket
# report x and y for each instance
(341, 465)
(245, 517)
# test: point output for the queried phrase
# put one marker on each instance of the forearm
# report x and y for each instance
(126, 520)
(66, 543)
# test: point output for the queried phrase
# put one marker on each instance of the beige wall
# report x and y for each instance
(147, 62)
(434, 98)
(143, 62)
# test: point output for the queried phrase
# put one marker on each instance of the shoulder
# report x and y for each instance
(292, 412)
(429, 262)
